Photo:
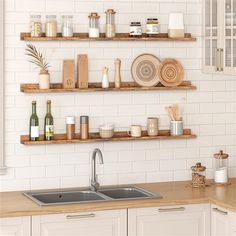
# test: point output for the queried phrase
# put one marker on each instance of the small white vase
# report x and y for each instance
(44, 81)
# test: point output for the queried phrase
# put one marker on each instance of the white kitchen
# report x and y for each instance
(117, 117)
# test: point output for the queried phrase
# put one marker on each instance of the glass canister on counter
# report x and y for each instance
(67, 26)
(152, 27)
(110, 23)
(35, 26)
(51, 26)
(94, 30)
(221, 167)
(198, 175)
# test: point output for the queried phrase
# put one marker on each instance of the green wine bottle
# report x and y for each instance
(34, 124)
(48, 123)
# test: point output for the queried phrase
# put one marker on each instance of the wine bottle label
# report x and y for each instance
(49, 130)
(34, 132)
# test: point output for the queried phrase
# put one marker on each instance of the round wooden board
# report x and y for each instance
(171, 73)
(145, 70)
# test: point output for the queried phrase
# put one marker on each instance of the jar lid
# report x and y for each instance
(84, 119)
(198, 167)
(135, 23)
(221, 155)
(94, 15)
(70, 120)
(152, 19)
(110, 11)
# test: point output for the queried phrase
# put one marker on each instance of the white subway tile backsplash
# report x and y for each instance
(209, 111)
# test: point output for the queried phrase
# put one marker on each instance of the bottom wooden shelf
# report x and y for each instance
(118, 136)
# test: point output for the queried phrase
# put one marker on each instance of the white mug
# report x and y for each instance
(135, 131)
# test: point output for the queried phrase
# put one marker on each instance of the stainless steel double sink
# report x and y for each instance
(88, 196)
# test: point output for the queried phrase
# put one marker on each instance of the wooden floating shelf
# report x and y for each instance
(118, 136)
(119, 37)
(96, 87)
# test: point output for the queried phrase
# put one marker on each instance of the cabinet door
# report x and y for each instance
(102, 223)
(229, 38)
(211, 36)
(223, 222)
(16, 226)
(188, 220)
(220, 223)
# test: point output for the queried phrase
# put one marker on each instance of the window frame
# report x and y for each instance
(2, 143)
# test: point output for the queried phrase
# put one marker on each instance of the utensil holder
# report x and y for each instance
(176, 128)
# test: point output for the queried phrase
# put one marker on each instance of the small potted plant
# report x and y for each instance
(36, 57)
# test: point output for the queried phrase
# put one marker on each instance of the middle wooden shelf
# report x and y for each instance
(118, 136)
(93, 87)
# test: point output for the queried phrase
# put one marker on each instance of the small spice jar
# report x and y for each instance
(110, 23)
(84, 127)
(67, 26)
(152, 26)
(94, 30)
(198, 175)
(35, 26)
(221, 167)
(135, 29)
(70, 127)
(51, 26)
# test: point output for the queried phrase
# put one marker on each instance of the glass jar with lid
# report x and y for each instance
(94, 30)
(51, 26)
(221, 167)
(135, 29)
(198, 175)
(35, 26)
(110, 23)
(67, 26)
(152, 27)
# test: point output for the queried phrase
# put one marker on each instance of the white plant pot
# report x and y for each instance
(44, 81)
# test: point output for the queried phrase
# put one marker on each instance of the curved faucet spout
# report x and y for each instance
(94, 183)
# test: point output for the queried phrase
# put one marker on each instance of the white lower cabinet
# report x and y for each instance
(15, 226)
(99, 223)
(223, 222)
(188, 220)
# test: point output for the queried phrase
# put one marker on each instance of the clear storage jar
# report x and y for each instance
(152, 26)
(198, 175)
(221, 167)
(35, 26)
(67, 26)
(94, 30)
(110, 23)
(51, 26)
(135, 29)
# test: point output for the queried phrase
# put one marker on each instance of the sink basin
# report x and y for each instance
(64, 197)
(127, 193)
(88, 196)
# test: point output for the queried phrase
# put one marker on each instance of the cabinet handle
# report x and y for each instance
(221, 59)
(72, 217)
(220, 211)
(171, 209)
(217, 59)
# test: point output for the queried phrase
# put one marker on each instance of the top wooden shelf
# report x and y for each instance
(119, 37)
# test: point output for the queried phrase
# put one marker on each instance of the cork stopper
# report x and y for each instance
(94, 15)
(34, 102)
(198, 167)
(221, 155)
(110, 11)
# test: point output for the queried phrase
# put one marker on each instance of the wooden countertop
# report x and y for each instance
(13, 204)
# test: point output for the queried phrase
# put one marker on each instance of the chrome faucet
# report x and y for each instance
(94, 184)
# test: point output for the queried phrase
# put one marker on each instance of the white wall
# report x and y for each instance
(209, 111)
